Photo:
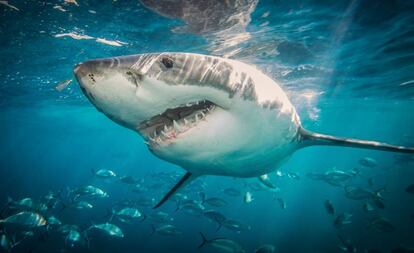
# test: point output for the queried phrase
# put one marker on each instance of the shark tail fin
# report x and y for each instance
(188, 177)
(203, 242)
(310, 138)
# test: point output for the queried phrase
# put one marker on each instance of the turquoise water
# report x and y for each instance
(347, 66)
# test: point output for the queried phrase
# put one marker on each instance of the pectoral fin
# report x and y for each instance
(187, 178)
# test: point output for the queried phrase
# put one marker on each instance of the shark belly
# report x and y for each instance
(263, 140)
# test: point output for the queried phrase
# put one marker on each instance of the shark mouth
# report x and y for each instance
(167, 126)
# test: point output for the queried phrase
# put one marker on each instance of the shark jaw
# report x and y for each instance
(166, 127)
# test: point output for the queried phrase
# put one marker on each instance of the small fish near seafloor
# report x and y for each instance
(382, 224)
(216, 217)
(103, 173)
(108, 228)
(248, 197)
(223, 245)
(368, 162)
(128, 214)
(166, 230)
(213, 201)
(334, 176)
(25, 219)
(342, 219)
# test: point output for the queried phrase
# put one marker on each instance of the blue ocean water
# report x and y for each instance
(347, 66)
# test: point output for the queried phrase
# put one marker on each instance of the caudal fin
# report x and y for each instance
(311, 138)
(204, 240)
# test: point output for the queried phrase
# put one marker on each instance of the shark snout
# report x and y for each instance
(94, 67)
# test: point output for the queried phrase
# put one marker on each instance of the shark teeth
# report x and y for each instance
(166, 126)
(176, 126)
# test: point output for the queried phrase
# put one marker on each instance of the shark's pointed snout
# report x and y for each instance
(79, 70)
(94, 67)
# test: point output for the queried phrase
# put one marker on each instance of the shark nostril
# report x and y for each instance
(92, 77)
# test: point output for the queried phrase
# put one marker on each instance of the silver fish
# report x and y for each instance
(382, 224)
(222, 245)
(214, 201)
(248, 197)
(166, 230)
(25, 219)
(109, 229)
(342, 219)
(368, 162)
(104, 173)
(160, 217)
(235, 225)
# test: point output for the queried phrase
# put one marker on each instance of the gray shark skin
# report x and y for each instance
(209, 115)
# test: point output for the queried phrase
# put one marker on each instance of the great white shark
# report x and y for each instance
(209, 115)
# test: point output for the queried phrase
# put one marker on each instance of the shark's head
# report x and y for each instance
(208, 114)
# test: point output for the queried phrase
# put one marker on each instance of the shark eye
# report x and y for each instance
(168, 62)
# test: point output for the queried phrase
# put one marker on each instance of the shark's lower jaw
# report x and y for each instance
(165, 128)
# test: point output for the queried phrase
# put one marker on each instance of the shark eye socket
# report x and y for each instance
(168, 62)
